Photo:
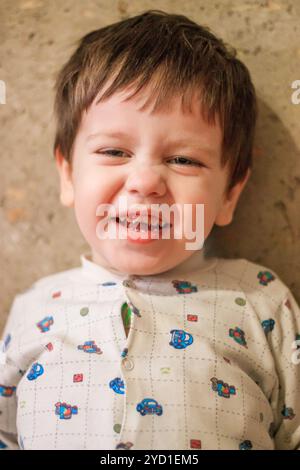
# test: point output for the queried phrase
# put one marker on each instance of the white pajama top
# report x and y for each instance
(211, 360)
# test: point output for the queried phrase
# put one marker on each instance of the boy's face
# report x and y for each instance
(144, 169)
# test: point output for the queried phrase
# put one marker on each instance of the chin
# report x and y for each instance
(141, 267)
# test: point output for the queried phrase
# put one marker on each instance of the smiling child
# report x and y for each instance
(148, 344)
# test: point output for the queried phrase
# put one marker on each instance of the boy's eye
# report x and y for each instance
(180, 160)
(107, 152)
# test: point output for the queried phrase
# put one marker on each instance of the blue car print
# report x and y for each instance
(223, 389)
(149, 406)
(288, 413)
(65, 411)
(268, 325)
(89, 347)
(180, 339)
(245, 445)
(35, 371)
(184, 287)
(45, 324)
(117, 385)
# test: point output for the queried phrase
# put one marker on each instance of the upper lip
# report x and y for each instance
(146, 215)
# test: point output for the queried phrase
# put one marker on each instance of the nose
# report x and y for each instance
(146, 182)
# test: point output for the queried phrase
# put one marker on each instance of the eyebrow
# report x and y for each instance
(189, 142)
(116, 134)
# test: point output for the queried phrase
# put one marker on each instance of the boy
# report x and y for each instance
(148, 345)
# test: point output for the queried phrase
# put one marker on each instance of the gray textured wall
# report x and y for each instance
(38, 236)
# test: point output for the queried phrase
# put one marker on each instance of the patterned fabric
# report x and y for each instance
(210, 361)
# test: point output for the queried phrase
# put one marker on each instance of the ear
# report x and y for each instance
(66, 183)
(229, 204)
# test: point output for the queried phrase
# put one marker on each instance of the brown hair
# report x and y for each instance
(179, 57)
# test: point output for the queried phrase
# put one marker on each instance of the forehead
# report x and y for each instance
(137, 115)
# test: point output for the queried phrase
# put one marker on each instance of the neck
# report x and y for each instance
(193, 262)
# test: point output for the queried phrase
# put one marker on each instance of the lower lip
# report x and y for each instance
(137, 235)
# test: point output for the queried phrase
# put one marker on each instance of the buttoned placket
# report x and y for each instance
(126, 365)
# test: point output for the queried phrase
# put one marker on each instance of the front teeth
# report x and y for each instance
(143, 226)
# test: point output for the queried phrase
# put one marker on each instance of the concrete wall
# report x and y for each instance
(38, 236)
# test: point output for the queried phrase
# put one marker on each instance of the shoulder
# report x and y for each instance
(259, 282)
(39, 296)
(51, 283)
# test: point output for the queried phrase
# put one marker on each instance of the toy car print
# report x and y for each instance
(149, 406)
(90, 347)
(238, 335)
(117, 385)
(245, 445)
(288, 413)
(265, 277)
(184, 287)
(124, 445)
(35, 371)
(44, 325)
(180, 339)
(268, 325)
(6, 391)
(223, 389)
(65, 411)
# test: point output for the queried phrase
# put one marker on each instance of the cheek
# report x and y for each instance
(212, 207)
(90, 192)
(85, 215)
(207, 193)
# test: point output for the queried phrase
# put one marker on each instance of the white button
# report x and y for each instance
(127, 363)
